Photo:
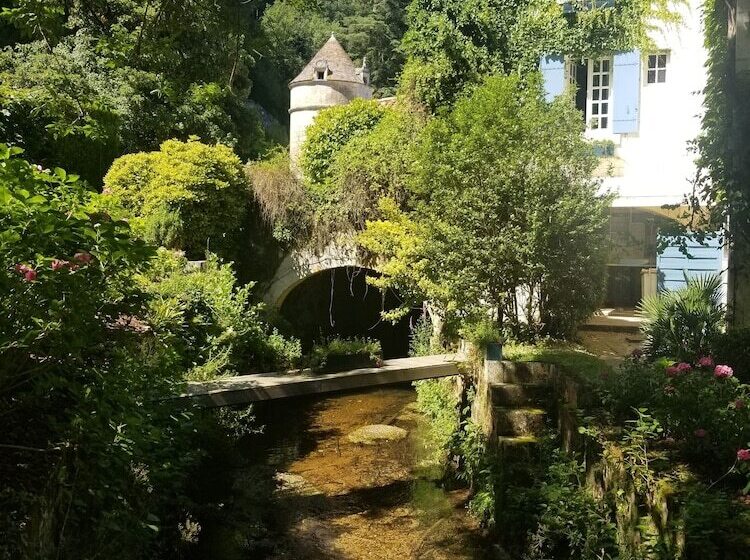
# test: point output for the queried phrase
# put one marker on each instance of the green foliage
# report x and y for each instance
(437, 399)
(95, 80)
(323, 355)
(187, 196)
(330, 131)
(502, 215)
(89, 434)
(482, 333)
(284, 201)
(452, 44)
(576, 362)
(422, 341)
(210, 321)
(706, 416)
(733, 347)
(377, 164)
(572, 523)
(685, 323)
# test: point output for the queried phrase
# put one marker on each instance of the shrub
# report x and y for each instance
(322, 354)
(684, 324)
(733, 347)
(188, 196)
(330, 131)
(94, 457)
(210, 320)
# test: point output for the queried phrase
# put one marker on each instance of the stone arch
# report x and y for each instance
(297, 266)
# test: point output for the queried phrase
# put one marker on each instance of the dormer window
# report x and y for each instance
(321, 69)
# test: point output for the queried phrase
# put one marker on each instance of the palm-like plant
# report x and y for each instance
(683, 324)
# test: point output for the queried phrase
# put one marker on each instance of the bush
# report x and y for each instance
(210, 320)
(733, 347)
(94, 456)
(187, 196)
(330, 131)
(684, 324)
(325, 355)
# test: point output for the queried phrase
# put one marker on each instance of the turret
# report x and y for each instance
(329, 79)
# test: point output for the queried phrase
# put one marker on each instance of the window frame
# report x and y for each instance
(657, 69)
(602, 92)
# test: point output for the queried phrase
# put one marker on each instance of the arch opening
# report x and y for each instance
(338, 302)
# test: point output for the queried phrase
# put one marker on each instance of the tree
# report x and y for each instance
(507, 217)
(187, 196)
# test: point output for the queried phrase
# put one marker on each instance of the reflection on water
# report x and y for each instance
(332, 498)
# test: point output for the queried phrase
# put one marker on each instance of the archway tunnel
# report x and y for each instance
(339, 302)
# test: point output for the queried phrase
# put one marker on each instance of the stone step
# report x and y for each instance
(520, 394)
(519, 421)
(524, 373)
(517, 448)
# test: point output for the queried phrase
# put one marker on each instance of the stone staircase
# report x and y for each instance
(522, 403)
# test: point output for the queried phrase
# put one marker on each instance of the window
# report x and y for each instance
(657, 69)
(320, 74)
(599, 98)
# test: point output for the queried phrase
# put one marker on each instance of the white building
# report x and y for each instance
(329, 79)
(643, 110)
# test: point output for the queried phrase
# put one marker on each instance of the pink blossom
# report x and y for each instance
(22, 268)
(672, 371)
(58, 264)
(683, 367)
(29, 275)
(706, 362)
(739, 404)
(700, 433)
(743, 455)
(82, 257)
(722, 371)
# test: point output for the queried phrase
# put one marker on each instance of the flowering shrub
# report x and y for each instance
(87, 434)
(702, 407)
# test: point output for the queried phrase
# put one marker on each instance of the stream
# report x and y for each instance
(329, 497)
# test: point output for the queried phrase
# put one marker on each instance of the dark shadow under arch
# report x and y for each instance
(339, 302)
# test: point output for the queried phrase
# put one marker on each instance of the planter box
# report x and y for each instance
(337, 362)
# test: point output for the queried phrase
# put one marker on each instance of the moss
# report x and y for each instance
(580, 365)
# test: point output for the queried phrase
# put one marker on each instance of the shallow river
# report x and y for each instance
(333, 498)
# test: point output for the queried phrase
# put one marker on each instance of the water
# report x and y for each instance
(329, 498)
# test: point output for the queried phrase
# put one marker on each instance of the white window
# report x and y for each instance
(657, 68)
(599, 97)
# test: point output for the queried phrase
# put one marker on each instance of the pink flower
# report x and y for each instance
(706, 362)
(700, 433)
(29, 275)
(672, 371)
(739, 404)
(82, 257)
(743, 455)
(683, 367)
(22, 268)
(722, 372)
(58, 264)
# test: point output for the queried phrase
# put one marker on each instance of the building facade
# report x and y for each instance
(642, 111)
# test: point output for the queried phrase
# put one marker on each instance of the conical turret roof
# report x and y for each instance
(340, 66)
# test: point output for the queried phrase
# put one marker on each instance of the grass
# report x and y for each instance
(572, 358)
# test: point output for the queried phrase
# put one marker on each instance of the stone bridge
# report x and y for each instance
(297, 266)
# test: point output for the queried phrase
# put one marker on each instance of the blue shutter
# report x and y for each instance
(553, 72)
(626, 86)
(673, 265)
